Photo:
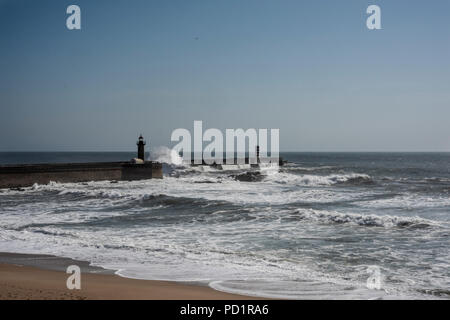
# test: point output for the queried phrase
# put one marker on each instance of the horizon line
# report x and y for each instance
(286, 151)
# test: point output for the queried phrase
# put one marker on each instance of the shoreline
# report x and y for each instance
(43, 277)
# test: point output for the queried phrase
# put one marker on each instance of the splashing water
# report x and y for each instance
(165, 155)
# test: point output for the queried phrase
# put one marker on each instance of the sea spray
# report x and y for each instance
(165, 155)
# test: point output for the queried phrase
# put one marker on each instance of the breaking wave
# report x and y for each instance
(317, 180)
(367, 220)
(165, 155)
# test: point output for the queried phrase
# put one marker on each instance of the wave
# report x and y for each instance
(162, 199)
(297, 168)
(165, 155)
(369, 220)
(436, 179)
(298, 289)
(249, 177)
(110, 194)
(317, 180)
(441, 293)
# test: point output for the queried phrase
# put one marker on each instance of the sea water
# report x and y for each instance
(312, 229)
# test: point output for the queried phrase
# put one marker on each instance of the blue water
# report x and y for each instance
(315, 228)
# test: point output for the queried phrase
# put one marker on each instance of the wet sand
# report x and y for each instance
(42, 277)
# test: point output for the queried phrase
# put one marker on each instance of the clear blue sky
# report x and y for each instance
(310, 68)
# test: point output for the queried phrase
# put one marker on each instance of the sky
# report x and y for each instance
(309, 68)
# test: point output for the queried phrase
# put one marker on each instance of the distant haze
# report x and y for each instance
(310, 68)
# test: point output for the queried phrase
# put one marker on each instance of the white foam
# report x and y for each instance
(165, 155)
(229, 253)
(370, 220)
(318, 180)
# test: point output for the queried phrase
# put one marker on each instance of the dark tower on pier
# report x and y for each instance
(141, 149)
(257, 154)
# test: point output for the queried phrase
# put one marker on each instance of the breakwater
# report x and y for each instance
(17, 176)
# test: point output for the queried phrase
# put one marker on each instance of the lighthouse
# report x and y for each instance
(141, 149)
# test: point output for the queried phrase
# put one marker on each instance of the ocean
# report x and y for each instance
(317, 228)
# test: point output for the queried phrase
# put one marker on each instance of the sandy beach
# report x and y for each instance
(40, 277)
